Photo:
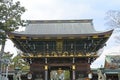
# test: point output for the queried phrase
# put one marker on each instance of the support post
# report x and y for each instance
(73, 72)
(46, 72)
(45, 60)
(46, 69)
(119, 76)
(73, 61)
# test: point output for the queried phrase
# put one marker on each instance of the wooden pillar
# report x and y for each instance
(73, 72)
(73, 61)
(46, 72)
(73, 69)
(46, 61)
(46, 69)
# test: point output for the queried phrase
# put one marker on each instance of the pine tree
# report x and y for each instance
(10, 19)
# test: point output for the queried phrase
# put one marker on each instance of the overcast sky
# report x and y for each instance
(71, 9)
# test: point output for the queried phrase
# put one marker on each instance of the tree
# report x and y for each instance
(19, 66)
(113, 17)
(10, 19)
(6, 60)
(17, 61)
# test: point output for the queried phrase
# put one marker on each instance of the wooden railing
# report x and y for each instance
(60, 54)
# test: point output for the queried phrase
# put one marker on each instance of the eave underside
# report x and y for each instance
(62, 36)
(77, 44)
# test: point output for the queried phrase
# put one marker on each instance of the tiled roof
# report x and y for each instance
(36, 27)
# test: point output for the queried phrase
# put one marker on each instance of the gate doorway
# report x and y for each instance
(60, 73)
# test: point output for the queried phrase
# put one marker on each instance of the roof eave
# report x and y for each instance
(107, 33)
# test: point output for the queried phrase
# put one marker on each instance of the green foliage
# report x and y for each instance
(10, 19)
(67, 75)
(17, 61)
(6, 60)
(7, 56)
(10, 16)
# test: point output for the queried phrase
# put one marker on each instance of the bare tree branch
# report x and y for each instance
(113, 19)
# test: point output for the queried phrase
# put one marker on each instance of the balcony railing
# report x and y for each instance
(60, 54)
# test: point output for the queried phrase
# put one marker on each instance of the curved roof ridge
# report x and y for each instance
(60, 21)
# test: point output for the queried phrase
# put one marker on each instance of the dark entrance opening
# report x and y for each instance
(60, 73)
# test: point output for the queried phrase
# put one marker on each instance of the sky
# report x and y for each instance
(70, 9)
(73, 9)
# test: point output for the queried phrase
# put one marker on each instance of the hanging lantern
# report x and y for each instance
(60, 71)
(29, 76)
(90, 75)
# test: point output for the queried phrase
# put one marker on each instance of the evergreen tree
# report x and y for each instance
(10, 19)
(18, 62)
